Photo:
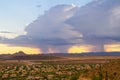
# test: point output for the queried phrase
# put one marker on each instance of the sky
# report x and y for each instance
(15, 15)
(59, 26)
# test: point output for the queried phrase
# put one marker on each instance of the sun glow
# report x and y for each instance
(5, 49)
(112, 47)
(79, 49)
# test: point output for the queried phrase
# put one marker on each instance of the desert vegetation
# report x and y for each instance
(60, 68)
(107, 71)
(44, 71)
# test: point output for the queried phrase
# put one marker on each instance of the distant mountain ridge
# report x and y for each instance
(101, 54)
(89, 54)
(22, 55)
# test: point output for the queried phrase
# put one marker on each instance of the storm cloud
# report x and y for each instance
(98, 21)
(50, 31)
(62, 26)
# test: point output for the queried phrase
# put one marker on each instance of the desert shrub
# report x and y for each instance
(74, 77)
(95, 78)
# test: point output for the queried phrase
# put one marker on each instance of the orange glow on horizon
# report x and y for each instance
(79, 49)
(5, 49)
(112, 48)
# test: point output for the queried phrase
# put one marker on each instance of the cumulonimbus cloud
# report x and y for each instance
(50, 29)
(62, 26)
(98, 22)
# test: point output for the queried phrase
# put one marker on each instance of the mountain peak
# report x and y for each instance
(20, 53)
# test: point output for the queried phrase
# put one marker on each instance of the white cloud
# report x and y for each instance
(51, 24)
(51, 30)
(9, 35)
(95, 19)
(62, 26)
